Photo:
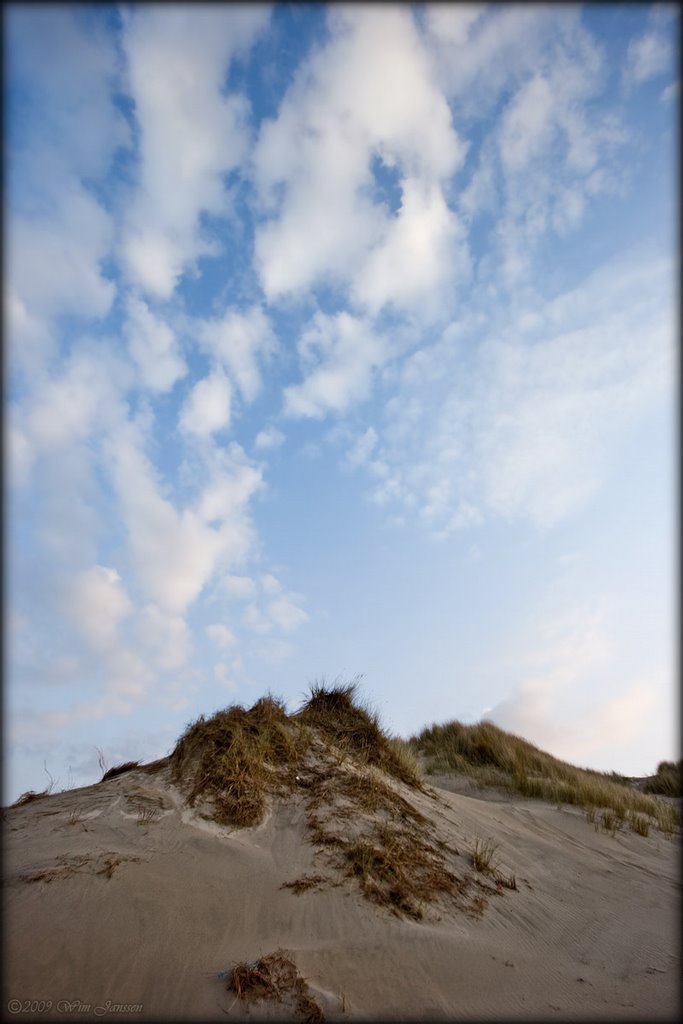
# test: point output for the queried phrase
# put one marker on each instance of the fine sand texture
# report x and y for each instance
(122, 895)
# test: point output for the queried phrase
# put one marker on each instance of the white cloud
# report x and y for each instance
(19, 456)
(278, 609)
(671, 92)
(286, 614)
(177, 63)
(520, 424)
(176, 552)
(367, 95)
(527, 123)
(565, 700)
(452, 23)
(341, 353)
(255, 620)
(208, 406)
(269, 438)
(97, 602)
(85, 397)
(360, 453)
(648, 56)
(54, 267)
(57, 234)
(153, 346)
(221, 635)
(422, 260)
(239, 586)
(239, 340)
(162, 638)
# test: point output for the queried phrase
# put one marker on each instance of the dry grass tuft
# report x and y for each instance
(483, 856)
(148, 815)
(276, 977)
(236, 756)
(352, 727)
(398, 870)
(668, 781)
(29, 796)
(493, 757)
(119, 770)
(305, 883)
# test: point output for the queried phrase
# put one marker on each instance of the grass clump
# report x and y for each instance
(29, 796)
(234, 757)
(397, 870)
(275, 977)
(111, 773)
(493, 757)
(483, 856)
(352, 727)
(668, 781)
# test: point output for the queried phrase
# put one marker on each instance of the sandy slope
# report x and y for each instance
(101, 907)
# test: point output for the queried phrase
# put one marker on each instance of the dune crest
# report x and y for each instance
(300, 866)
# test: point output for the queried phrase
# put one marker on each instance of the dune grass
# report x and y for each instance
(353, 727)
(334, 753)
(235, 756)
(668, 781)
(493, 757)
(275, 977)
(29, 796)
(119, 769)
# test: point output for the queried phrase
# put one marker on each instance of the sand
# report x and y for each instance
(104, 909)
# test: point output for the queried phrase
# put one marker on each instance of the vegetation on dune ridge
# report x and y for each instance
(493, 757)
(668, 781)
(334, 754)
(237, 756)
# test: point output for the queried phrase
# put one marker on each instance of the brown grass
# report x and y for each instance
(493, 757)
(275, 977)
(483, 856)
(398, 870)
(29, 796)
(236, 756)
(352, 726)
(668, 781)
(305, 883)
(119, 770)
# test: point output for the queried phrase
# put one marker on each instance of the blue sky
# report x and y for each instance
(340, 340)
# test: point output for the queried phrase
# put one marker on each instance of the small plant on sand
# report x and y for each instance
(147, 816)
(29, 797)
(119, 769)
(608, 820)
(483, 856)
(640, 824)
(275, 977)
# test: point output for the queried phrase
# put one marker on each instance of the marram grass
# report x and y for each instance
(493, 757)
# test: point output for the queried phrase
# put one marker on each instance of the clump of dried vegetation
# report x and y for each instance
(119, 770)
(275, 977)
(493, 757)
(353, 779)
(235, 757)
(668, 781)
(29, 796)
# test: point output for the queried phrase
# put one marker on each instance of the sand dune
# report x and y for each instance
(122, 895)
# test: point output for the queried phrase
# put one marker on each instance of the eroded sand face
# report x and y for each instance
(118, 894)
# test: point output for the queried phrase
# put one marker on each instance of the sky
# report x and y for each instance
(340, 342)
